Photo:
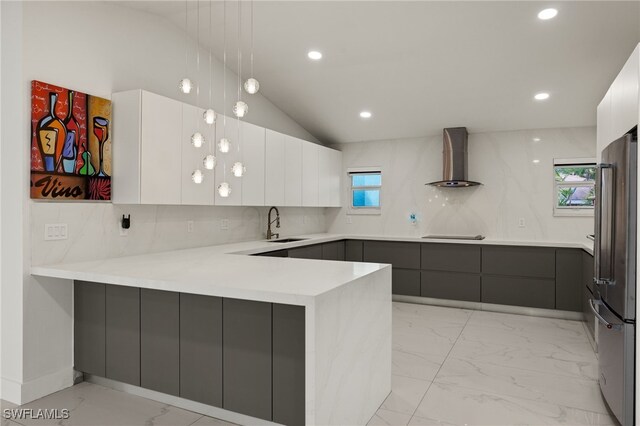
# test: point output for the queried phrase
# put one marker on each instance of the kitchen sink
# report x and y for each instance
(287, 240)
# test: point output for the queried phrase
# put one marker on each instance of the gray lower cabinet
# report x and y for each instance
(160, 341)
(277, 253)
(307, 252)
(569, 280)
(288, 364)
(589, 317)
(588, 270)
(89, 327)
(123, 334)
(354, 251)
(333, 250)
(450, 285)
(519, 291)
(201, 348)
(246, 347)
(536, 262)
(399, 254)
(405, 282)
(451, 257)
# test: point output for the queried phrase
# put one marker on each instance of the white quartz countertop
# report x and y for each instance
(228, 270)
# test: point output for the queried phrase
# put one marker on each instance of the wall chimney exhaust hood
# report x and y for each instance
(454, 159)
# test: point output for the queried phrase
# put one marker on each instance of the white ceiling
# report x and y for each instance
(421, 66)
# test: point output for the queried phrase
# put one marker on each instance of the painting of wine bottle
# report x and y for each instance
(70, 144)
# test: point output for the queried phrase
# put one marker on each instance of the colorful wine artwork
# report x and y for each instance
(70, 144)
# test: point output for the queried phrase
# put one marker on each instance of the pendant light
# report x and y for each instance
(185, 84)
(224, 189)
(240, 108)
(209, 161)
(251, 86)
(197, 139)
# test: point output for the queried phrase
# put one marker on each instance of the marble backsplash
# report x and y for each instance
(513, 187)
(94, 228)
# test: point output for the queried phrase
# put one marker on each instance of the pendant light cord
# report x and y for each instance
(239, 68)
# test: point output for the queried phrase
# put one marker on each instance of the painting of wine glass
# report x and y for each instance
(70, 144)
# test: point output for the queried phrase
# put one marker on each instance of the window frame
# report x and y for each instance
(364, 210)
(575, 211)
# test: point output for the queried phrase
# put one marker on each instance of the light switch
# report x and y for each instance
(189, 226)
(521, 222)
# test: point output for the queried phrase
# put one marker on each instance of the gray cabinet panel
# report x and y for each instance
(89, 327)
(569, 281)
(247, 357)
(539, 262)
(333, 250)
(450, 285)
(354, 251)
(159, 341)
(307, 252)
(123, 334)
(288, 365)
(277, 253)
(587, 270)
(405, 281)
(450, 257)
(589, 317)
(518, 291)
(399, 254)
(201, 348)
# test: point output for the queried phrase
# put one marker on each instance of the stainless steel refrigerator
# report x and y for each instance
(614, 303)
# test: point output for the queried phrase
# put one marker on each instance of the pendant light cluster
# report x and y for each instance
(240, 108)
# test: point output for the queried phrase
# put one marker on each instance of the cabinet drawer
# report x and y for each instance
(400, 255)
(450, 285)
(518, 291)
(354, 251)
(538, 262)
(307, 252)
(450, 257)
(405, 282)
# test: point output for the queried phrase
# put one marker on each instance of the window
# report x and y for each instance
(574, 187)
(365, 191)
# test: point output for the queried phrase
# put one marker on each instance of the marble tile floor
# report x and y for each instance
(450, 367)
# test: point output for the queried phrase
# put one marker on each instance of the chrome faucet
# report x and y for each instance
(270, 234)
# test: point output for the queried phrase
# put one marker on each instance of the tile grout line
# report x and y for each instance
(445, 360)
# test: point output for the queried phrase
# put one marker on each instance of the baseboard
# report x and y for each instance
(22, 393)
(490, 307)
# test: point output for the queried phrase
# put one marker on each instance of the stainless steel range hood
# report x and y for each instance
(454, 159)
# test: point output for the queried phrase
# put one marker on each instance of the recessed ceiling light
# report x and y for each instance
(365, 114)
(547, 14)
(315, 55)
(541, 96)
(536, 161)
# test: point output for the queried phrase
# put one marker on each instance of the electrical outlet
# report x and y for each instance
(305, 219)
(55, 231)
(224, 224)
(124, 232)
(521, 223)
(349, 219)
(189, 226)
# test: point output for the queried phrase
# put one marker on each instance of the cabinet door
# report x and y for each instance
(405, 281)
(292, 172)
(274, 181)
(247, 358)
(125, 181)
(604, 129)
(288, 365)
(123, 334)
(450, 285)
(399, 254)
(354, 251)
(201, 348)
(161, 133)
(537, 262)
(330, 170)
(450, 257)
(160, 341)
(307, 252)
(624, 97)
(569, 282)
(192, 158)
(310, 174)
(517, 291)
(333, 250)
(89, 327)
(253, 159)
(587, 270)
(226, 161)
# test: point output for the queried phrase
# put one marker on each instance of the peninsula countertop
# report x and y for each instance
(229, 271)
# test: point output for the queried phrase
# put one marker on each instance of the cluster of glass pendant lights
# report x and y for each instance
(240, 109)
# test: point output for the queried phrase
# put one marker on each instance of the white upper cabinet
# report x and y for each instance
(624, 96)
(604, 126)
(193, 158)
(149, 129)
(310, 174)
(292, 171)
(330, 173)
(274, 177)
(226, 160)
(253, 158)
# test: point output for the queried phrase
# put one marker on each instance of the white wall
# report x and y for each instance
(514, 187)
(98, 48)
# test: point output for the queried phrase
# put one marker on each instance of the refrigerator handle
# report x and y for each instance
(603, 321)
(601, 186)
